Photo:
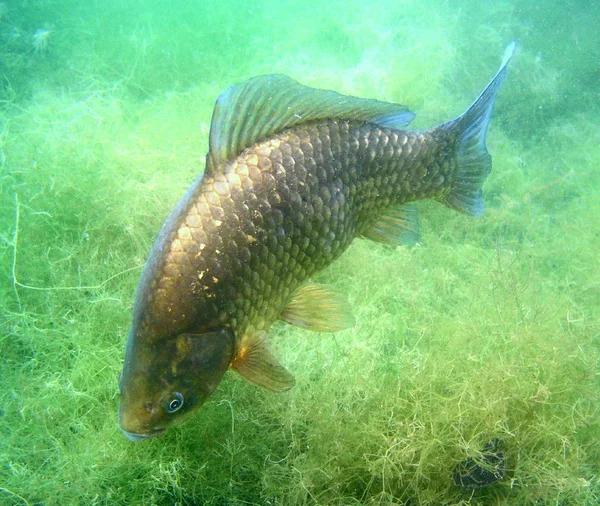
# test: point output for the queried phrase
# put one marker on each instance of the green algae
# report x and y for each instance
(486, 331)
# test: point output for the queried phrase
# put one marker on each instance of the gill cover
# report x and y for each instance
(202, 360)
(164, 382)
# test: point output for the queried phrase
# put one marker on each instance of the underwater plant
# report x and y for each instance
(40, 41)
(487, 331)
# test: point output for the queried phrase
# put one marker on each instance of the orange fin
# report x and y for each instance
(316, 308)
(399, 226)
(255, 363)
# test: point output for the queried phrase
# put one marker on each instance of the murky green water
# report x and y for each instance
(488, 331)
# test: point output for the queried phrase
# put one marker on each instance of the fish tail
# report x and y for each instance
(474, 162)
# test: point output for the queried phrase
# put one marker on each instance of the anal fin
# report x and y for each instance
(399, 226)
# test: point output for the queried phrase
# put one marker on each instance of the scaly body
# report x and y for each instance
(274, 207)
(285, 209)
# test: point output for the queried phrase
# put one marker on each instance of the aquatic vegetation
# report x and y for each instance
(40, 40)
(487, 331)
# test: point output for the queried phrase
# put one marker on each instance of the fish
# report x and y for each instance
(293, 175)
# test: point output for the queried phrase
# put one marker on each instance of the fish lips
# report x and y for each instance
(141, 437)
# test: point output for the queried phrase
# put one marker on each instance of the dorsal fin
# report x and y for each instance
(255, 109)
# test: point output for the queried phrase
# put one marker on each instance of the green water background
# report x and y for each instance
(488, 330)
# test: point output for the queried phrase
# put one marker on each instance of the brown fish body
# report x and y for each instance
(283, 210)
(236, 253)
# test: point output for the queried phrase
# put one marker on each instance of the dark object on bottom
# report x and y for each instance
(478, 473)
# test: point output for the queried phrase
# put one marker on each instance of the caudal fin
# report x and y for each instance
(474, 161)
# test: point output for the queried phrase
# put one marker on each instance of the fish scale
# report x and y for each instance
(293, 176)
(289, 226)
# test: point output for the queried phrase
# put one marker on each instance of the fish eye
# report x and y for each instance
(175, 403)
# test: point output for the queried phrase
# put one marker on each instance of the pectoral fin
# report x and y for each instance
(255, 363)
(316, 308)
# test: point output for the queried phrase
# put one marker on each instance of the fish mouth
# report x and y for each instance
(132, 436)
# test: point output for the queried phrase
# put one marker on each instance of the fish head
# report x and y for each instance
(165, 380)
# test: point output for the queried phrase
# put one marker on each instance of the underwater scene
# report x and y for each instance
(461, 367)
